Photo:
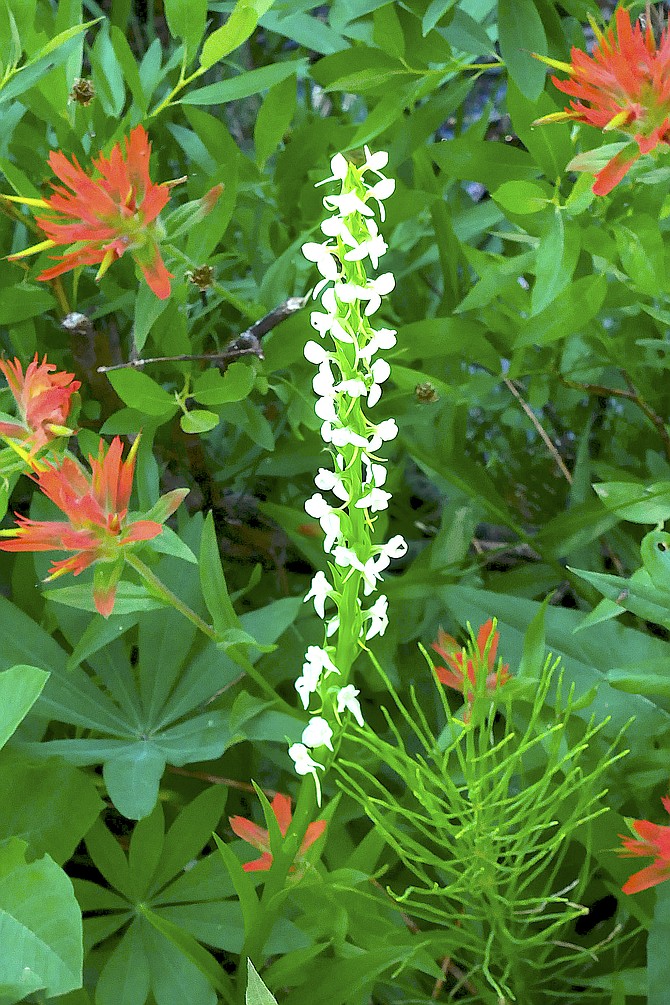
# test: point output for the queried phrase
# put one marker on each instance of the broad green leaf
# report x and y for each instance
(635, 502)
(187, 21)
(236, 30)
(190, 832)
(557, 257)
(521, 33)
(434, 14)
(214, 388)
(244, 84)
(523, 197)
(63, 805)
(125, 978)
(484, 161)
(133, 778)
(40, 924)
(192, 951)
(148, 309)
(138, 390)
(198, 420)
(20, 687)
(574, 309)
(257, 993)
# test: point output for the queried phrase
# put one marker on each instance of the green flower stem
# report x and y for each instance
(257, 933)
(160, 590)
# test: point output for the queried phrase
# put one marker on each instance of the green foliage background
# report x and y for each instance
(530, 365)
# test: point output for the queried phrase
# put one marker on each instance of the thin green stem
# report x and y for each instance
(159, 589)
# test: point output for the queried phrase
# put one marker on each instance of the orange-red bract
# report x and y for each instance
(43, 396)
(260, 838)
(108, 215)
(478, 660)
(655, 842)
(97, 528)
(623, 85)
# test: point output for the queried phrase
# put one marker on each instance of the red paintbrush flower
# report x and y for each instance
(97, 529)
(43, 396)
(260, 838)
(105, 216)
(656, 843)
(624, 85)
(479, 658)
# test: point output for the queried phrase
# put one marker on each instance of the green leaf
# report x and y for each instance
(41, 926)
(556, 260)
(655, 552)
(20, 687)
(234, 32)
(274, 118)
(244, 886)
(257, 993)
(523, 197)
(573, 310)
(434, 14)
(198, 420)
(521, 33)
(213, 581)
(244, 84)
(187, 21)
(213, 388)
(658, 958)
(133, 778)
(192, 950)
(138, 390)
(125, 978)
(148, 309)
(635, 502)
(63, 805)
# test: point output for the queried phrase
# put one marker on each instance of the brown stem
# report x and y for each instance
(632, 394)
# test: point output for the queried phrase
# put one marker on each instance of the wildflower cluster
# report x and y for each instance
(98, 530)
(259, 837)
(653, 840)
(624, 85)
(467, 665)
(350, 374)
(43, 396)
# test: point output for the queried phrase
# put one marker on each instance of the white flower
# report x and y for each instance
(346, 558)
(387, 429)
(395, 548)
(381, 371)
(334, 226)
(317, 733)
(374, 162)
(331, 481)
(319, 592)
(339, 166)
(322, 256)
(308, 683)
(347, 697)
(372, 292)
(346, 203)
(374, 473)
(317, 661)
(374, 247)
(380, 191)
(383, 338)
(329, 519)
(315, 353)
(340, 436)
(354, 387)
(329, 322)
(305, 765)
(375, 500)
(378, 617)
